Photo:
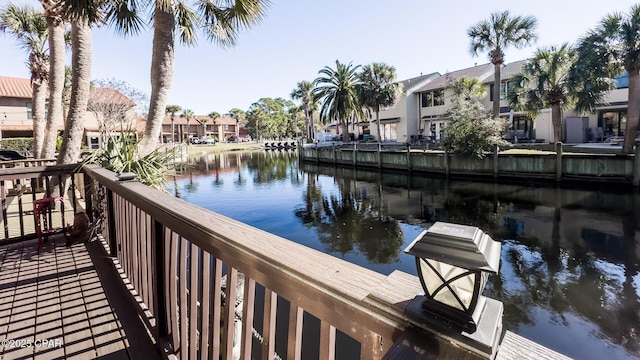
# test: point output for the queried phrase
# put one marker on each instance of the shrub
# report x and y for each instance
(17, 144)
(119, 154)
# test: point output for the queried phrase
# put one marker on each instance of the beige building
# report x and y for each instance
(401, 121)
(108, 109)
(435, 98)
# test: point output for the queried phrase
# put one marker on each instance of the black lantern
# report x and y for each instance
(453, 263)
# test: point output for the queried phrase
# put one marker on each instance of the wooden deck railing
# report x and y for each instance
(196, 275)
(177, 256)
(21, 183)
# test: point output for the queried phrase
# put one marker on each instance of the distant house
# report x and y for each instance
(435, 98)
(177, 129)
(15, 107)
(401, 121)
(108, 109)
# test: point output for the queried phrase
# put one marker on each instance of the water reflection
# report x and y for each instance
(569, 274)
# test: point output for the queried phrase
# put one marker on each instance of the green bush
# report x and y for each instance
(119, 154)
(472, 131)
(17, 144)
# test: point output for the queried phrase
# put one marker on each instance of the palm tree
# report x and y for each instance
(81, 45)
(468, 88)
(546, 83)
(220, 21)
(304, 93)
(495, 35)
(337, 90)
(239, 115)
(378, 88)
(172, 110)
(187, 114)
(214, 115)
(30, 29)
(607, 51)
(53, 13)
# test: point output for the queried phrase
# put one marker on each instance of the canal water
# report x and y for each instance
(569, 276)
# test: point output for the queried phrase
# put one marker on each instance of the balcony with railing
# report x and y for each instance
(166, 278)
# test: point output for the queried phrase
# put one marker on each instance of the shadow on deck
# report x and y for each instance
(66, 303)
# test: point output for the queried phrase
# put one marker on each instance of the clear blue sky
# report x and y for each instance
(300, 37)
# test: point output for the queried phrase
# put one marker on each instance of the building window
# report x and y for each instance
(29, 110)
(94, 143)
(505, 88)
(622, 81)
(613, 122)
(433, 98)
(226, 127)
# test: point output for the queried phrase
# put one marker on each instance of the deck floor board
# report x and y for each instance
(54, 302)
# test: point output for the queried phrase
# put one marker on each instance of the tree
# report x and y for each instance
(495, 35)
(172, 110)
(73, 134)
(30, 29)
(239, 116)
(271, 118)
(378, 88)
(187, 114)
(82, 16)
(304, 93)
(214, 115)
(472, 131)
(337, 90)
(220, 21)
(606, 52)
(112, 109)
(545, 82)
(53, 13)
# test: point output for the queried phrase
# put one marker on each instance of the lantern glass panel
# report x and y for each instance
(462, 286)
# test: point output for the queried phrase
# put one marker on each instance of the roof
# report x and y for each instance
(110, 96)
(409, 84)
(480, 72)
(15, 87)
(508, 71)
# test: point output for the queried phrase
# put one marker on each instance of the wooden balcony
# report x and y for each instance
(175, 266)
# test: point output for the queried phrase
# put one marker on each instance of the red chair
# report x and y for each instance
(41, 210)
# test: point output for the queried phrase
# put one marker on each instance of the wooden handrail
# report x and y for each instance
(363, 304)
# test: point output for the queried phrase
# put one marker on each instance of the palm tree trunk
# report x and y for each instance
(633, 111)
(378, 125)
(81, 43)
(313, 132)
(556, 120)
(345, 132)
(56, 85)
(307, 120)
(39, 100)
(496, 89)
(161, 74)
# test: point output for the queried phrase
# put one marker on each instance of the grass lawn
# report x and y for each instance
(203, 149)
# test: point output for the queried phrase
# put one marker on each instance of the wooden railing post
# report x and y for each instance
(496, 151)
(558, 161)
(88, 195)
(408, 157)
(111, 214)
(446, 162)
(158, 263)
(333, 147)
(636, 165)
(355, 155)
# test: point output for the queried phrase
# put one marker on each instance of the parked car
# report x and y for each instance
(195, 140)
(207, 140)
